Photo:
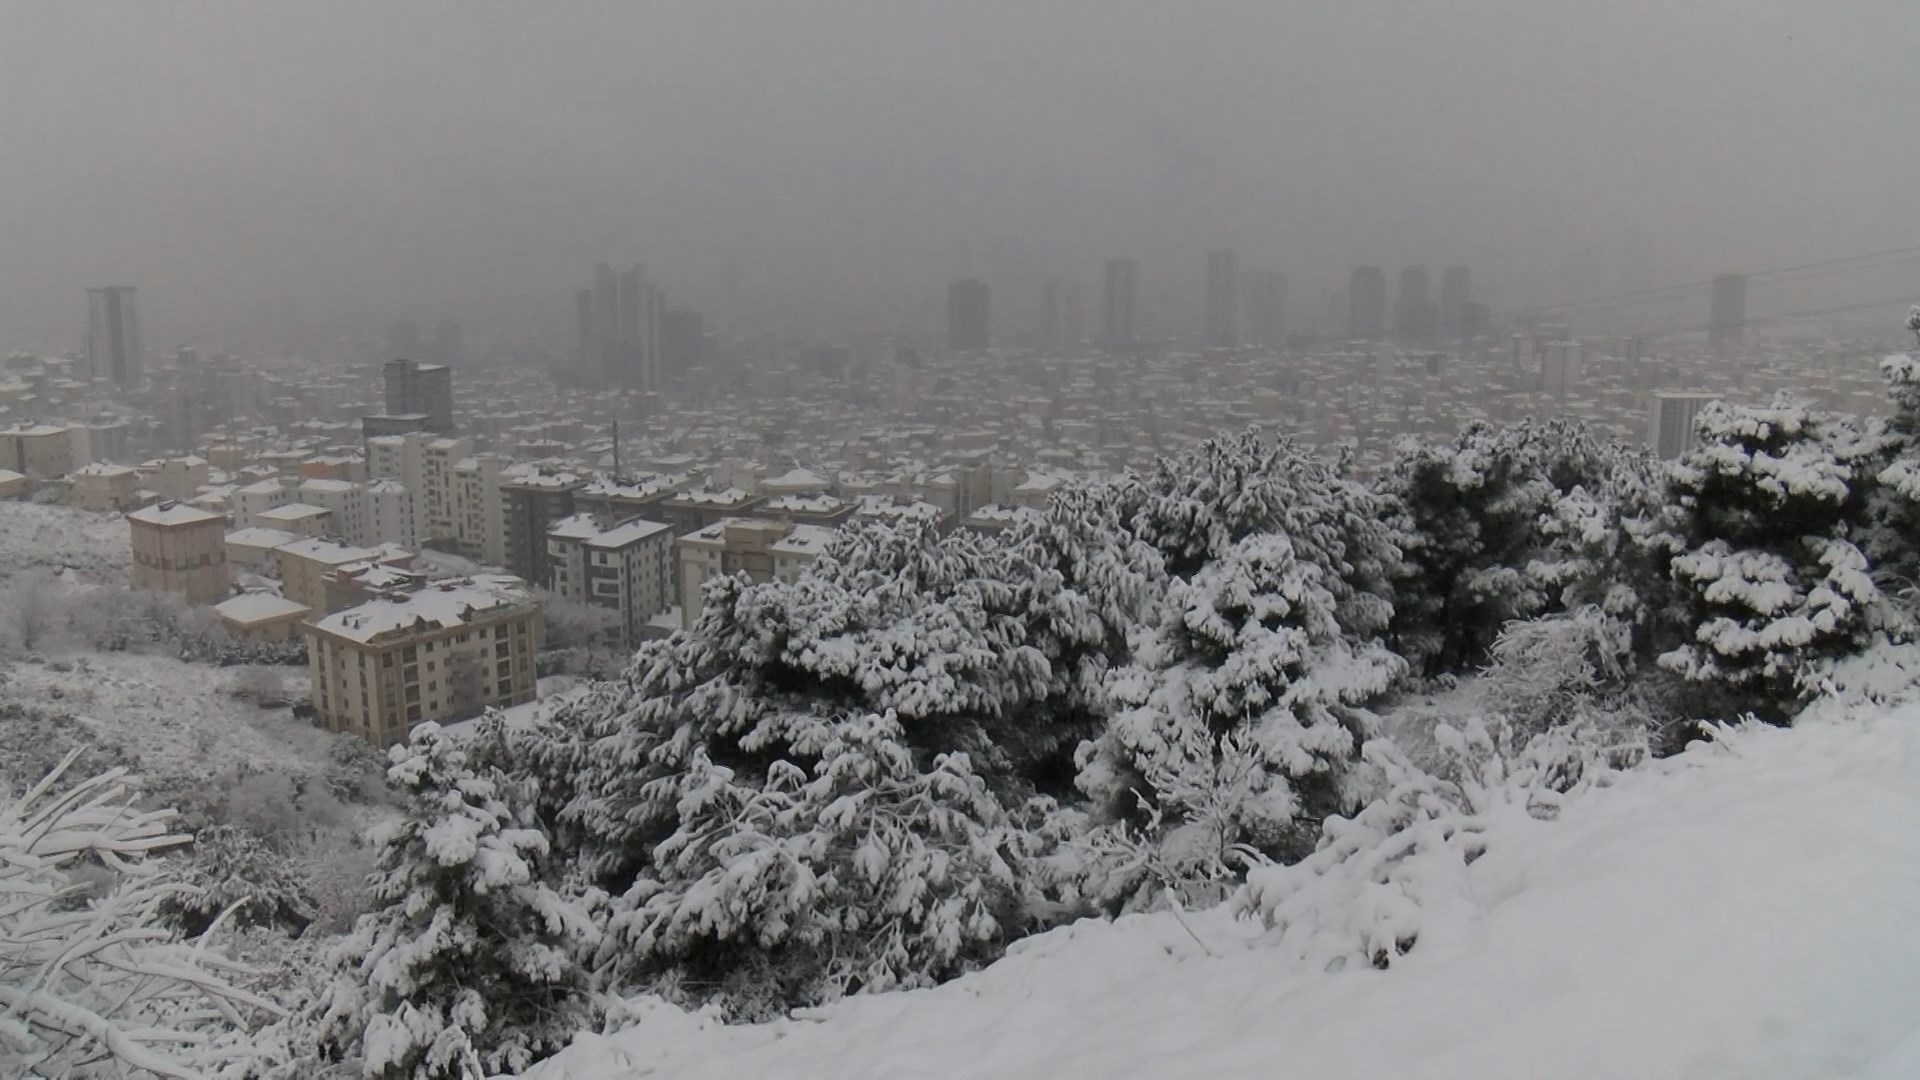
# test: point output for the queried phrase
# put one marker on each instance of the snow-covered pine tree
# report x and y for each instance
(1512, 523)
(1773, 582)
(1234, 727)
(871, 872)
(1892, 538)
(470, 962)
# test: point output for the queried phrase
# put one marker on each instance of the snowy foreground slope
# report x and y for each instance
(1746, 910)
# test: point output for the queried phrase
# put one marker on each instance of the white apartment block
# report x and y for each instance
(251, 500)
(390, 513)
(627, 568)
(348, 503)
(479, 510)
(436, 487)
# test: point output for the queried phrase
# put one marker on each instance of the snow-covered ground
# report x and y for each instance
(1744, 910)
(95, 546)
(172, 718)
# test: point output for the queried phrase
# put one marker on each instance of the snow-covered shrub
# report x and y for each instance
(233, 869)
(1511, 523)
(1773, 583)
(468, 964)
(262, 686)
(1379, 877)
(1554, 670)
(869, 872)
(100, 988)
(1235, 725)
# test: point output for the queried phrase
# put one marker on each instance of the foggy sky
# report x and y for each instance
(829, 166)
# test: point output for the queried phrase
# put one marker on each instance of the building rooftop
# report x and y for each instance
(101, 468)
(326, 485)
(628, 532)
(261, 537)
(577, 527)
(804, 540)
(327, 551)
(292, 512)
(170, 514)
(443, 605)
(256, 607)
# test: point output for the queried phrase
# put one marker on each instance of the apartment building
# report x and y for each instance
(179, 548)
(300, 519)
(252, 500)
(390, 513)
(627, 568)
(37, 451)
(611, 501)
(435, 491)
(177, 478)
(305, 565)
(100, 486)
(533, 500)
(261, 616)
(256, 550)
(443, 653)
(348, 503)
(765, 549)
(479, 510)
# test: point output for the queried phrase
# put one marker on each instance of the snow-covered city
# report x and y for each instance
(437, 645)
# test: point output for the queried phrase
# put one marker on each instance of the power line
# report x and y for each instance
(1792, 317)
(1663, 290)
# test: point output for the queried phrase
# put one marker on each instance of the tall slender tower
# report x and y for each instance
(1265, 320)
(1223, 297)
(1118, 302)
(1413, 314)
(1367, 303)
(113, 335)
(1456, 292)
(968, 326)
(1727, 322)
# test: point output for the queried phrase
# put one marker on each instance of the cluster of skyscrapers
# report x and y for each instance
(1416, 315)
(617, 325)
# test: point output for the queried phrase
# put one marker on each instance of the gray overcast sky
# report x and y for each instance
(830, 165)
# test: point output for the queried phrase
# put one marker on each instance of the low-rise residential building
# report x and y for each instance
(298, 518)
(177, 478)
(37, 451)
(261, 616)
(253, 499)
(765, 549)
(445, 652)
(179, 548)
(256, 551)
(305, 565)
(13, 485)
(100, 486)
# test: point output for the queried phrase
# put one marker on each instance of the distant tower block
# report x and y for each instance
(1727, 322)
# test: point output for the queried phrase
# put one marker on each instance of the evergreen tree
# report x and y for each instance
(469, 963)
(1772, 581)
(1514, 523)
(1235, 726)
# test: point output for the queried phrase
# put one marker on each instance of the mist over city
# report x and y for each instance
(1050, 539)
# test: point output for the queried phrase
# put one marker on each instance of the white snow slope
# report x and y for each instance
(1744, 911)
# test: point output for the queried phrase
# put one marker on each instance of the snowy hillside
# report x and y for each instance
(1743, 910)
(59, 538)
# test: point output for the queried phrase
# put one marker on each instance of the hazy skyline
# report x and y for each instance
(829, 167)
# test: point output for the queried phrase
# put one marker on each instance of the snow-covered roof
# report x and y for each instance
(804, 540)
(105, 469)
(577, 527)
(261, 487)
(327, 551)
(170, 514)
(257, 607)
(321, 484)
(292, 512)
(444, 605)
(628, 532)
(260, 537)
(731, 496)
(796, 479)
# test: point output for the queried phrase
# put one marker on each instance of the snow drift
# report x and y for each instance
(1743, 910)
